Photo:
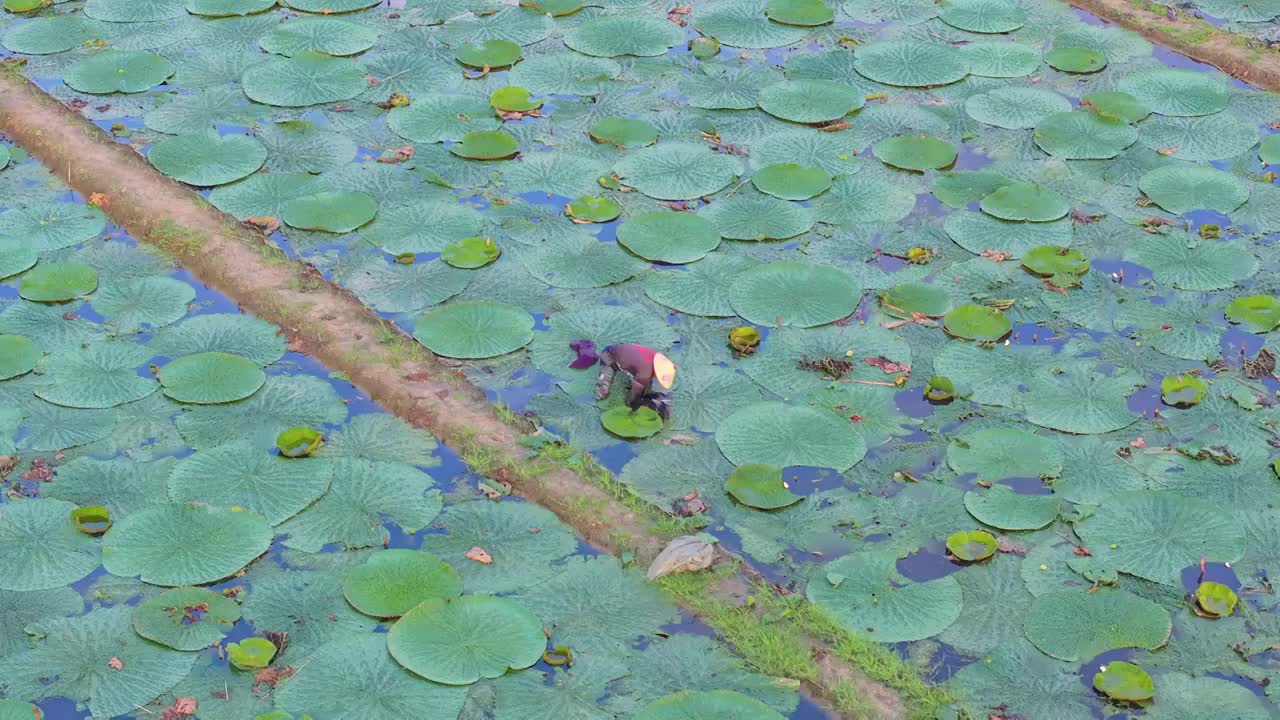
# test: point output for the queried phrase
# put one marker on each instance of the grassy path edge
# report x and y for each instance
(854, 676)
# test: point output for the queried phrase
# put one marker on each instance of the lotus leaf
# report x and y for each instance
(299, 441)
(1182, 390)
(1216, 599)
(58, 282)
(485, 145)
(207, 159)
(911, 63)
(441, 117)
(186, 618)
(593, 210)
(1000, 59)
(488, 54)
(789, 435)
(865, 594)
(239, 475)
(332, 211)
(708, 705)
(1269, 151)
(911, 299)
(228, 8)
(123, 71)
(1025, 202)
(803, 13)
(476, 329)
(1015, 108)
(470, 253)
(459, 641)
(16, 256)
(737, 23)
(1084, 135)
(1079, 398)
(790, 181)
(1115, 105)
(624, 422)
(971, 545)
(958, 189)
(211, 377)
(1258, 313)
(631, 34)
(1189, 263)
(243, 335)
(18, 355)
(999, 453)
(624, 132)
(102, 375)
(184, 544)
(147, 301)
(916, 153)
(1078, 624)
(1055, 260)
(1124, 681)
(796, 294)
(1220, 136)
(983, 16)
(308, 78)
(1001, 507)
(701, 289)
(330, 6)
(669, 237)
(513, 99)
(1179, 189)
(1170, 91)
(1075, 60)
(758, 217)
(760, 487)
(977, 322)
(1182, 697)
(939, 389)
(810, 101)
(393, 582)
(46, 549)
(252, 653)
(569, 73)
(327, 35)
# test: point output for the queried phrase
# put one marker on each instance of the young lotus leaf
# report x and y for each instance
(440, 117)
(485, 145)
(211, 377)
(1258, 313)
(1216, 599)
(393, 582)
(792, 293)
(958, 189)
(123, 71)
(865, 594)
(810, 101)
(1155, 536)
(1084, 135)
(1116, 105)
(228, 8)
(669, 237)
(1075, 60)
(45, 548)
(971, 545)
(1025, 201)
(677, 171)
(513, 99)
(916, 153)
(627, 423)
(102, 375)
(239, 475)
(1185, 93)
(911, 63)
(983, 16)
(1076, 625)
(1181, 188)
(16, 256)
(1269, 151)
(629, 34)
(910, 299)
(470, 253)
(323, 35)
(459, 641)
(475, 329)
(803, 13)
(335, 211)
(1124, 681)
(18, 355)
(939, 389)
(999, 453)
(1015, 108)
(207, 159)
(186, 618)
(977, 322)
(1000, 59)
(702, 288)
(788, 436)
(708, 705)
(789, 181)
(593, 210)
(760, 487)
(184, 544)
(1001, 507)
(22, 6)
(1181, 390)
(758, 217)
(58, 282)
(1051, 260)
(252, 653)
(488, 54)
(239, 334)
(1189, 263)
(738, 24)
(308, 78)
(624, 132)
(301, 441)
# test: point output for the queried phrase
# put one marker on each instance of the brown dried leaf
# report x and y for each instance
(478, 554)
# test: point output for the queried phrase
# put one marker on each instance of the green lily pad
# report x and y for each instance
(1124, 681)
(45, 548)
(1000, 59)
(708, 705)
(624, 132)
(228, 8)
(16, 256)
(999, 453)
(186, 618)
(789, 435)
(971, 545)
(462, 640)
(865, 594)
(624, 422)
(16, 709)
(760, 487)
(1051, 260)
(475, 329)
(327, 35)
(958, 189)
(939, 389)
(1189, 263)
(907, 300)
(1076, 60)
(1025, 202)
(677, 171)
(492, 53)
(916, 153)
(1216, 599)
(977, 322)
(335, 211)
(1259, 313)
(593, 210)
(237, 474)
(211, 377)
(18, 355)
(1001, 507)
(1116, 105)
(911, 63)
(124, 71)
(790, 181)
(470, 253)
(1078, 624)
(513, 99)
(1183, 93)
(485, 145)
(184, 544)
(308, 78)
(792, 293)
(669, 237)
(102, 375)
(58, 282)
(810, 101)
(1015, 108)
(802, 13)
(628, 34)
(329, 6)
(208, 159)
(252, 653)
(1182, 390)
(22, 6)
(299, 441)
(1084, 135)
(983, 16)
(758, 218)
(1269, 151)
(393, 582)
(1180, 188)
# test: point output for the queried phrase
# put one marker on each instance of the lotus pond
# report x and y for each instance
(1011, 408)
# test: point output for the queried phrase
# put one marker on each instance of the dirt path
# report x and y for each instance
(331, 325)
(1193, 37)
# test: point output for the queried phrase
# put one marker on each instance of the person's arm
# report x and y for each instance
(607, 368)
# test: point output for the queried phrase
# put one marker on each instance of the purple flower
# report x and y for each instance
(587, 356)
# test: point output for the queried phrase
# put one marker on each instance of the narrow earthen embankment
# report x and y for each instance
(864, 679)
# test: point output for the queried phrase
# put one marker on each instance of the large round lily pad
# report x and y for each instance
(485, 145)
(669, 237)
(1075, 60)
(977, 322)
(677, 171)
(1025, 202)
(45, 550)
(459, 641)
(43, 226)
(393, 582)
(626, 34)
(490, 54)
(803, 13)
(335, 211)
(790, 181)
(18, 355)
(792, 293)
(1171, 91)
(911, 63)
(1078, 624)
(228, 8)
(810, 101)
(1084, 135)
(1001, 507)
(1189, 263)
(1000, 453)
(308, 78)
(760, 486)
(184, 544)
(1000, 59)
(16, 256)
(124, 71)
(789, 435)
(908, 299)
(208, 159)
(624, 132)
(1259, 313)
(983, 16)
(327, 35)
(186, 618)
(624, 422)
(476, 329)
(865, 593)
(759, 217)
(58, 281)
(1015, 108)
(916, 153)
(102, 375)
(1180, 188)
(238, 474)
(441, 117)
(708, 705)
(211, 377)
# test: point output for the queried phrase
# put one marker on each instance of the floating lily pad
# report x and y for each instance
(977, 322)
(1025, 202)
(624, 422)
(788, 435)
(1000, 59)
(1015, 108)
(708, 705)
(677, 171)
(1259, 313)
(186, 618)
(58, 282)
(471, 253)
(971, 545)
(911, 63)
(909, 299)
(18, 355)
(485, 145)
(629, 34)
(237, 474)
(939, 389)
(492, 53)
(1216, 599)
(44, 226)
(703, 288)
(327, 35)
(760, 217)
(1189, 263)
(1185, 93)
(45, 548)
(1124, 681)
(738, 24)
(865, 593)
(1075, 60)
(983, 16)
(624, 132)
(803, 13)
(1001, 507)
(476, 329)
(669, 237)
(810, 101)
(958, 189)
(1181, 188)
(16, 256)
(335, 211)
(393, 582)
(999, 453)
(102, 375)
(513, 99)
(228, 8)
(593, 210)
(308, 78)
(1116, 105)
(760, 487)
(1269, 151)
(462, 640)
(184, 544)
(790, 181)
(916, 153)
(1182, 390)
(797, 294)
(252, 653)
(1078, 624)
(330, 6)
(301, 441)
(211, 377)
(208, 159)
(1051, 260)
(124, 71)
(1084, 135)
